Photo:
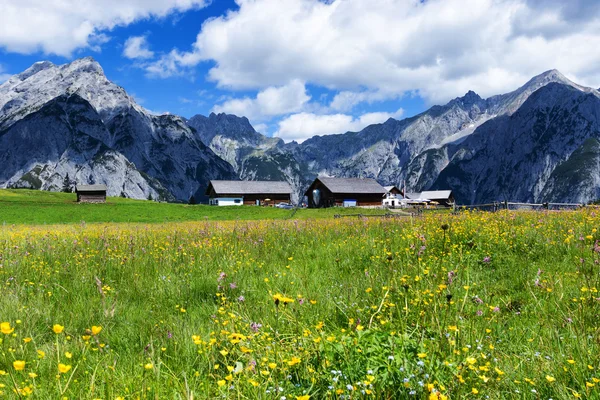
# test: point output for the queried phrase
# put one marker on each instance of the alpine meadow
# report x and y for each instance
(495, 305)
(299, 199)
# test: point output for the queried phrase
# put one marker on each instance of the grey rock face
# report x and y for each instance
(70, 119)
(472, 145)
(544, 151)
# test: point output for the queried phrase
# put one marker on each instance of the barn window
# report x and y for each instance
(237, 201)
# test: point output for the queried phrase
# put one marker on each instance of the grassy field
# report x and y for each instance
(38, 207)
(474, 305)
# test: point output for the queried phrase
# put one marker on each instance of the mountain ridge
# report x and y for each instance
(172, 158)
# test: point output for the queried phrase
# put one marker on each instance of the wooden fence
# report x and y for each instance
(508, 205)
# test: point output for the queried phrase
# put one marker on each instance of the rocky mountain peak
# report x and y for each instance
(469, 100)
(34, 69)
(43, 81)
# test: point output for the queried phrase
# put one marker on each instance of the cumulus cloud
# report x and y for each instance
(441, 48)
(3, 75)
(62, 26)
(302, 126)
(272, 101)
(137, 47)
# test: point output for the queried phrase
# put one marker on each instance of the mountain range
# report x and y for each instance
(67, 124)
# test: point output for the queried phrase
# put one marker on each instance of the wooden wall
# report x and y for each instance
(91, 197)
(329, 199)
(250, 199)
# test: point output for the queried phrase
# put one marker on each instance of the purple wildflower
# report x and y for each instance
(232, 285)
(255, 326)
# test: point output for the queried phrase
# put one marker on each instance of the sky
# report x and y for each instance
(299, 68)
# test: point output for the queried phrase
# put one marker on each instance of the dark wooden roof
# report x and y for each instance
(350, 185)
(249, 187)
(90, 188)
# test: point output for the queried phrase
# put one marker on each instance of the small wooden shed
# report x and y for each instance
(91, 193)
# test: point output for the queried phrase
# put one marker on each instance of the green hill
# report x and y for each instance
(22, 206)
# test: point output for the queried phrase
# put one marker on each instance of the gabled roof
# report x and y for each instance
(430, 195)
(90, 188)
(437, 194)
(249, 187)
(351, 185)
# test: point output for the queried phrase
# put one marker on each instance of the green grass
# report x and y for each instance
(40, 207)
(476, 305)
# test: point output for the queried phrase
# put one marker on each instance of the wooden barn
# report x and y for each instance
(237, 193)
(345, 192)
(91, 193)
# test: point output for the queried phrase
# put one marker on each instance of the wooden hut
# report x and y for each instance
(237, 193)
(345, 192)
(91, 193)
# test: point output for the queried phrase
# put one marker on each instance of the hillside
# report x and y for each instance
(22, 206)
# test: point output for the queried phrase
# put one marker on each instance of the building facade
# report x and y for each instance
(238, 193)
(91, 193)
(344, 192)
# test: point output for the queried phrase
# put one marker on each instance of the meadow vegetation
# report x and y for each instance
(20, 206)
(473, 305)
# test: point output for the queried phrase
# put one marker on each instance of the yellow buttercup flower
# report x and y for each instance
(58, 328)
(550, 378)
(96, 330)
(148, 366)
(19, 365)
(6, 328)
(63, 369)
(294, 361)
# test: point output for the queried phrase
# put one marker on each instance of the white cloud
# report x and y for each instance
(62, 26)
(442, 48)
(302, 126)
(137, 47)
(269, 102)
(262, 128)
(3, 75)
(346, 100)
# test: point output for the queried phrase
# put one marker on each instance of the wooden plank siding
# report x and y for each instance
(330, 199)
(91, 197)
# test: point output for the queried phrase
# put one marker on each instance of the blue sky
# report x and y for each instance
(297, 68)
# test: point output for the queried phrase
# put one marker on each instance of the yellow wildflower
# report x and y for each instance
(19, 365)
(96, 330)
(63, 369)
(6, 328)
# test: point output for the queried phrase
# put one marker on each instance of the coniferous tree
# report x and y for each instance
(67, 186)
